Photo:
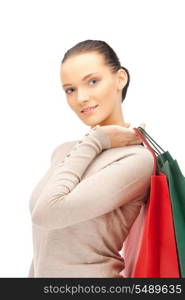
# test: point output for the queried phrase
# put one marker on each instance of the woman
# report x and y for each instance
(83, 208)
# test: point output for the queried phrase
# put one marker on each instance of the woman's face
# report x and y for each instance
(88, 82)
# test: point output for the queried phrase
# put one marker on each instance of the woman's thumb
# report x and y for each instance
(143, 125)
(127, 124)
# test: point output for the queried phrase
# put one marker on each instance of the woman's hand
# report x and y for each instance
(122, 135)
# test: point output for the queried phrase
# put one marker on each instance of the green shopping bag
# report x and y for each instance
(176, 182)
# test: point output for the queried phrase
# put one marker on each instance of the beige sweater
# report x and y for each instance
(83, 207)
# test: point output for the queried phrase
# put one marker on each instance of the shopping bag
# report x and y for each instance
(131, 245)
(157, 256)
(176, 183)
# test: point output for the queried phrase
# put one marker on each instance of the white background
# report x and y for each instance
(148, 37)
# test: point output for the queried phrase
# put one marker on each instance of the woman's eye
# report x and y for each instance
(73, 89)
(68, 90)
(93, 80)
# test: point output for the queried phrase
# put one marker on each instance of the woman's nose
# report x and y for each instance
(82, 96)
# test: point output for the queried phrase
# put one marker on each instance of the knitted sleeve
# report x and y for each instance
(67, 200)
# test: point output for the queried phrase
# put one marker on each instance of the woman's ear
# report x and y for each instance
(122, 78)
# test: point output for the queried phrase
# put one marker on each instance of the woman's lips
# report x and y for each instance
(90, 110)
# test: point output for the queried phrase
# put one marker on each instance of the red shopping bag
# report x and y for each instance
(157, 256)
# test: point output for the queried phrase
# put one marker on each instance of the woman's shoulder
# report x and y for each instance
(146, 156)
(140, 153)
(144, 151)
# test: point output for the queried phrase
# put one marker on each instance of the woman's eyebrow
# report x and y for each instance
(85, 77)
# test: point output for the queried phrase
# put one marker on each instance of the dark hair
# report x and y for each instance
(103, 48)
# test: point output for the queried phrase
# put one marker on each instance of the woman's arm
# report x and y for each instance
(66, 201)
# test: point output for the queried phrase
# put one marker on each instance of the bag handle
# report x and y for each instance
(160, 157)
(151, 139)
(138, 132)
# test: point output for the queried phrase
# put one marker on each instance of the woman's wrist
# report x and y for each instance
(102, 136)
